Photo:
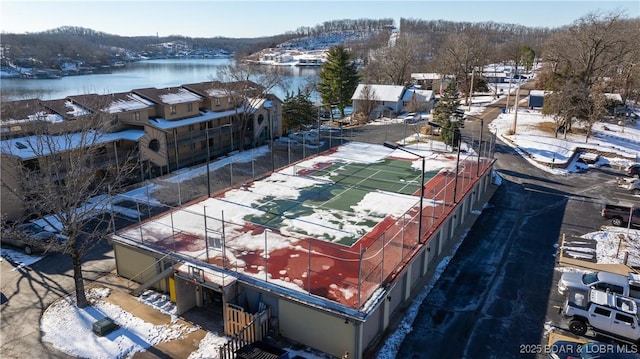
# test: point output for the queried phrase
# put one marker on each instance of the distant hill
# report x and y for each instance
(50, 49)
(79, 47)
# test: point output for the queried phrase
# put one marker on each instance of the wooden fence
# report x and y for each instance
(243, 328)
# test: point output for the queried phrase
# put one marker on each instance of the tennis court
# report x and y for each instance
(338, 188)
(336, 225)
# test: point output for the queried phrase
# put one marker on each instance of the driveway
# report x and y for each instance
(499, 289)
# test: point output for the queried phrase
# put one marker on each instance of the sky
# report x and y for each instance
(265, 18)
(68, 328)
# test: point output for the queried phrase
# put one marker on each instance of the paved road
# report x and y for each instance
(499, 289)
(28, 291)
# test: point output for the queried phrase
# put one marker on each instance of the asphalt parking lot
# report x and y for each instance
(594, 188)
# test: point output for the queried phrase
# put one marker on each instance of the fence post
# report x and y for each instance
(360, 275)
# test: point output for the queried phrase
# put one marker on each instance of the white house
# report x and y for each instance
(428, 80)
(432, 81)
(614, 97)
(423, 99)
(381, 100)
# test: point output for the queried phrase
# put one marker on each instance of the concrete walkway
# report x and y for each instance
(119, 296)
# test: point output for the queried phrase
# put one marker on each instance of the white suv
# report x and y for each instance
(605, 313)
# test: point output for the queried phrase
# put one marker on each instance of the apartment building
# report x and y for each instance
(164, 129)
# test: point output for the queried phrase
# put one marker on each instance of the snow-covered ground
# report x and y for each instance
(69, 329)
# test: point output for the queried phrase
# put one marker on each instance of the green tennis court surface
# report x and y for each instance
(343, 196)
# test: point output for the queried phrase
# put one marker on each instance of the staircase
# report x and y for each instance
(146, 285)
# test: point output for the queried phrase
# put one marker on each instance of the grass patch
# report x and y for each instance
(547, 127)
(550, 128)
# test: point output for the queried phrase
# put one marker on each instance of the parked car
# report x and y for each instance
(633, 170)
(634, 187)
(619, 215)
(605, 313)
(616, 283)
(627, 113)
(30, 237)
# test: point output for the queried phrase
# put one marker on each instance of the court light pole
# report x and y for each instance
(457, 139)
(208, 160)
(456, 133)
(398, 147)
(462, 114)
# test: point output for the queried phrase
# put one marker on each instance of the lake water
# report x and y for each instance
(151, 73)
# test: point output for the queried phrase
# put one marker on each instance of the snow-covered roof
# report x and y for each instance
(613, 97)
(421, 95)
(37, 116)
(127, 102)
(180, 96)
(23, 147)
(164, 124)
(539, 93)
(391, 93)
(213, 92)
(257, 103)
(220, 278)
(169, 96)
(76, 110)
(494, 74)
(426, 76)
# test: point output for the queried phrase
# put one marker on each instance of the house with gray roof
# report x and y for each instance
(378, 100)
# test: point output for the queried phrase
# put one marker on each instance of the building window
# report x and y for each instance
(32, 165)
(217, 102)
(191, 128)
(136, 116)
(172, 110)
(154, 145)
(189, 107)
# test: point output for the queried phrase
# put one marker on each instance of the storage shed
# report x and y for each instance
(536, 98)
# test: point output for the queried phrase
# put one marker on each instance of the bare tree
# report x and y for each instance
(392, 64)
(368, 101)
(596, 109)
(591, 47)
(415, 105)
(568, 104)
(579, 73)
(461, 53)
(66, 171)
(245, 83)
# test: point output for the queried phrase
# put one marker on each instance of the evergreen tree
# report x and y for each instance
(338, 78)
(528, 57)
(445, 111)
(298, 111)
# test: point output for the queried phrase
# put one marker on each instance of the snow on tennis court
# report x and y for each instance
(334, 225)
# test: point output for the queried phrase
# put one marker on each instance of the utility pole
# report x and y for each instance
(508, 93)
(471, 89)
(515, 117)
